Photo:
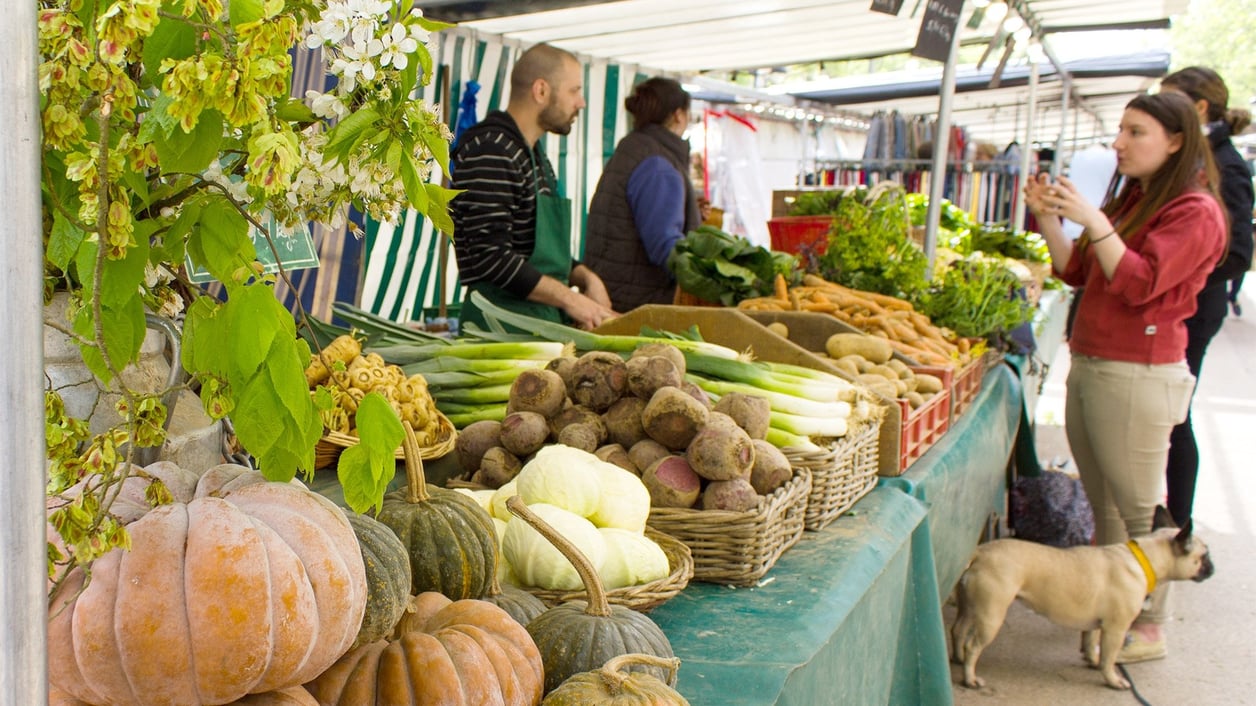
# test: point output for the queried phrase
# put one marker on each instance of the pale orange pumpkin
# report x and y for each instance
(292, 696)
(446, 653)
(247, 587)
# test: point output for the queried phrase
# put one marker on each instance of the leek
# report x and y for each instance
(404, 354)
(784, 440)
(450, 364)
(497, 317)
(809, 426)
(756, 375)
(450, 379)
(488, 394)
(776, 400)
(492, 413)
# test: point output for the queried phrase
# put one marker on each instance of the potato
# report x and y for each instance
(779, 329)
(928, 383)
(874, 349)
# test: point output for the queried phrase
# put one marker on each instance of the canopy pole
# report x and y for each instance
(1065, 94)
(23, 594)
(941, 147)
(1018, 217)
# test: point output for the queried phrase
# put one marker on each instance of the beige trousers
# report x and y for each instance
(1118, 417)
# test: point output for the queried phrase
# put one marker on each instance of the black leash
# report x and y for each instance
(1133, 687)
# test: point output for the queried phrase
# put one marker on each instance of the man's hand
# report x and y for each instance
(585, 312)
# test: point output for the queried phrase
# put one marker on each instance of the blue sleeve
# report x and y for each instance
(656, 195)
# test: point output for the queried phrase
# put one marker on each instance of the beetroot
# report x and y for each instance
(672, 483)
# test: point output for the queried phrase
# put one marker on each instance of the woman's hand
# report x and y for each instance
(1036, 190)
(1064, 200)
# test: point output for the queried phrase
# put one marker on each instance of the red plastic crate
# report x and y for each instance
(925, 425)
(966, 385)
(791, 233)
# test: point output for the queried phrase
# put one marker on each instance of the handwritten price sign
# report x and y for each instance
(937, 29)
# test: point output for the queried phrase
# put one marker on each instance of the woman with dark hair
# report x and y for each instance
(1209, 94)
(644, 202)
(1142, 259)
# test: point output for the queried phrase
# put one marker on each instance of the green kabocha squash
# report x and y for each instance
(387, 577)
(612, 686)
(518, 603)
(450, 538)
(580, 636)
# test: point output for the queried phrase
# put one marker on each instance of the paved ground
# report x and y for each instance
(1212, 641)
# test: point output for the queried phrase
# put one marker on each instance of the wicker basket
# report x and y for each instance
(328, 448)
(640, 598)
(738, 548)
(841, 474)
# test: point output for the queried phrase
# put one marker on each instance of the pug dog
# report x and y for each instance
(1098, 590)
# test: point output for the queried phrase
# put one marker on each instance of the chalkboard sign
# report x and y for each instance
(937, 29)
(889, 7)
(296, 250)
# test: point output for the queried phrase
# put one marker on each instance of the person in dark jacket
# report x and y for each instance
(644, 202)
(512, 229)
(1210, 95)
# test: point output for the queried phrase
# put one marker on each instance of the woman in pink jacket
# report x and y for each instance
(1142, 259)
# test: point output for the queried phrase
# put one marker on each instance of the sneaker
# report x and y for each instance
(1238, 310)
(1138, 648)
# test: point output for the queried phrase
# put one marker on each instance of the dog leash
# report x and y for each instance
(1133, 686)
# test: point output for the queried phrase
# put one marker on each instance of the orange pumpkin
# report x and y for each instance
(292, 696)
(247, 587)
(444, 653)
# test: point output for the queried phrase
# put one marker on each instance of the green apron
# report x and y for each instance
(551, 255)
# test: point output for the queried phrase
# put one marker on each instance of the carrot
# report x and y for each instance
(826, 307)
(781, 287)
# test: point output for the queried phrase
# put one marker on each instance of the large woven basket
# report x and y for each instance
(328, 448)
(640, 598)
(841, 473)
(738, 548)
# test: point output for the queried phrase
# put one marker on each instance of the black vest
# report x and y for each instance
(613, 248)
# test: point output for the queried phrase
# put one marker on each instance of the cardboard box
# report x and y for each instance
(737, 330)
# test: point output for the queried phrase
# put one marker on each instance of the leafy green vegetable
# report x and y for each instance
(719, 267)
(816, 203)
(978, 297)
(870, 247)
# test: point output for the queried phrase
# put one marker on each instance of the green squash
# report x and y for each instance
(611, 686)
(518, 603)
(450, 539)
(580, 636)
(387, 577)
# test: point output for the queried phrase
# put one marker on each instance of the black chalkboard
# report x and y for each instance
(889, 7)
(937, 29)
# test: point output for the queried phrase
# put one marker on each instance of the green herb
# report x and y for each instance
(978, 297)
(816, 203)
(870, 247)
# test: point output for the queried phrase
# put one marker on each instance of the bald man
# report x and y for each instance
(512, 229)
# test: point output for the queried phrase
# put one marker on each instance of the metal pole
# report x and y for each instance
(1018, 213)
(941, 145)
(23, 595)
(1058, 163)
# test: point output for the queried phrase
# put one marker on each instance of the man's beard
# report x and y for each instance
(553, 120)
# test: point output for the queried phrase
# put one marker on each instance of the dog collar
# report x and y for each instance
(1141, 558)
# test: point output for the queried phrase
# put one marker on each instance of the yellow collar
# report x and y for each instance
(1139, 556)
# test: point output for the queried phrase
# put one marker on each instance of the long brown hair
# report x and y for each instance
(1189, 169)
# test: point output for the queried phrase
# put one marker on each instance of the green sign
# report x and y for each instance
(296, 250)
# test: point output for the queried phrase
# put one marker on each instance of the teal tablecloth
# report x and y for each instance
(848, 616)
(962, 480)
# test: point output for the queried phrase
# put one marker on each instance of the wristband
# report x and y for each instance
(1109, 235)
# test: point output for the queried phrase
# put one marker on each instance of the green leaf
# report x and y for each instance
(348, 131)
(295, 111)
(259, 419)
(220, 241)
(251, 315)
(413, 183)
(190, 152)
(438, 206)
(433, 25)
(203, 337)
(244, 11)
(172, 38)
(158, 123)
(362, 489)
(378, 425)
(85, 266)
(64, 242)
(437, 145)
(123, 331)
(121, 279)
(392, 155)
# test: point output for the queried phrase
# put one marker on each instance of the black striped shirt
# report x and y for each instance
(495, 217)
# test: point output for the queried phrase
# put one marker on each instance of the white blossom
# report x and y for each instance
(397, 43)
(327, 105)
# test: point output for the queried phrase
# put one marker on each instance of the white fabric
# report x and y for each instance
(743, 193)
(1091, 171)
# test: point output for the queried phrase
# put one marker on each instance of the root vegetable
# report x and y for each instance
(877, 350)
(522, 433)
(645, 452)
(623, 422)
(672, 483)
(673, 418)
(498, 467)
(598, 379)
(538, 390)
(779, 329)
(578, 414)
(474, 440)
(691, 388)
(562, 365)
(579, 436)
(721, 452)
(771, 468)
(646, 374)
(664, 350)
(751, 413)
(736, 495)
(928, 384)
(617, 455)
(343, 349)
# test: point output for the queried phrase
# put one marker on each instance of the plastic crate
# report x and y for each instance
(792, 234)
(966, 385)
(925, 425)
